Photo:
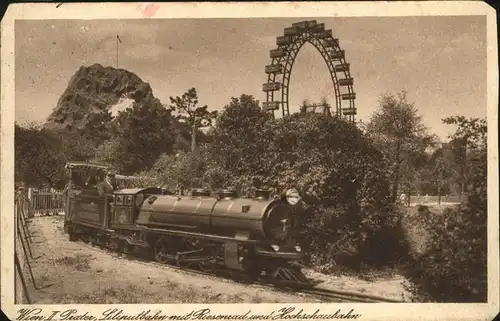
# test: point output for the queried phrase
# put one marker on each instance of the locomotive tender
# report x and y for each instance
(254, 237)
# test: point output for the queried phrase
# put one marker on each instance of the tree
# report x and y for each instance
(114, 154)
(140, 135)
(40, 156)
(398, 131)
(469, 147)
(303, 106)
(240, 141)
(96, 127)
(436, 174)
(323, 106)
(180, 168)
(77, 147)
(188, 111)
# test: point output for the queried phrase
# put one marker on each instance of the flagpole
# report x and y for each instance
(116, 52)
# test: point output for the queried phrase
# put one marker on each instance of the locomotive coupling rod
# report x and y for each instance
(196, 259)
(183, 254)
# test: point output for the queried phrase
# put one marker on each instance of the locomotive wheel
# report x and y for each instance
(121, 247)
(103, 240)
(253, 274)
(127, 249)
(161, 250)
(251, 268)
(71, 233)
(240, 277)
(94, 241)
(72, 237)
(84, 238)
(113, 245)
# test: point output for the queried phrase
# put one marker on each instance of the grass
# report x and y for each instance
(372, 274)
(80, 262)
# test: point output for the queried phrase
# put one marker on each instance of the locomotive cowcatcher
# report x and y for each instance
(252, 237)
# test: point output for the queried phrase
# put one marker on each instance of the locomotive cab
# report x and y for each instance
(87, 213)
(126, 203)
(123, 207)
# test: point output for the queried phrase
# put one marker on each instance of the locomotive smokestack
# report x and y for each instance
(262, 194)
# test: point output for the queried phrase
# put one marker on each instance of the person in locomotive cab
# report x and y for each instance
(107, 186)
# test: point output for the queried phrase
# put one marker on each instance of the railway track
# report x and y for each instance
(323, 293)
(319, 292)
(348, 296)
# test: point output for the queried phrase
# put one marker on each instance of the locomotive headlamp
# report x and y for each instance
(292, 196)
(298, 249)
(275, 247)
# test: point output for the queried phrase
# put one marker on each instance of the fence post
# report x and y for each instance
(18, 289)
(27, 252)
(21, 289)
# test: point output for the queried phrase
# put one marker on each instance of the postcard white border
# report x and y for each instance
(381, 311)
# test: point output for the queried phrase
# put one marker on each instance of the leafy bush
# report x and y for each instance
(343, 181)
(40, 156)
(181, 168)
(241, 138)
(453, 266)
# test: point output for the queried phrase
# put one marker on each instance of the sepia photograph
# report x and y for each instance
(316, 159)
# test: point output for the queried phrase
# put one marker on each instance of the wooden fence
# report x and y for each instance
(46, 201)
(433, 199)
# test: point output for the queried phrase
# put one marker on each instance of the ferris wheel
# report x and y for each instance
(282, 60)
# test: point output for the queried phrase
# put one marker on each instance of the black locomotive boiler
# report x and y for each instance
(255, 237)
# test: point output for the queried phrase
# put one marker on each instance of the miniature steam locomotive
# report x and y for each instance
(255, 237)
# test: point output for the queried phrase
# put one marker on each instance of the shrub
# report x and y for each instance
(453, 267)
(336, 236)
(342, 179)
(145, 179)
(181, 168)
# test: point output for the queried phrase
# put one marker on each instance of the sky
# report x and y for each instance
(440, 61)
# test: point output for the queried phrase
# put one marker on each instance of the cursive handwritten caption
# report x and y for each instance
(286, 313)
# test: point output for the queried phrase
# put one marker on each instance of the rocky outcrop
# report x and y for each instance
(95, 89)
